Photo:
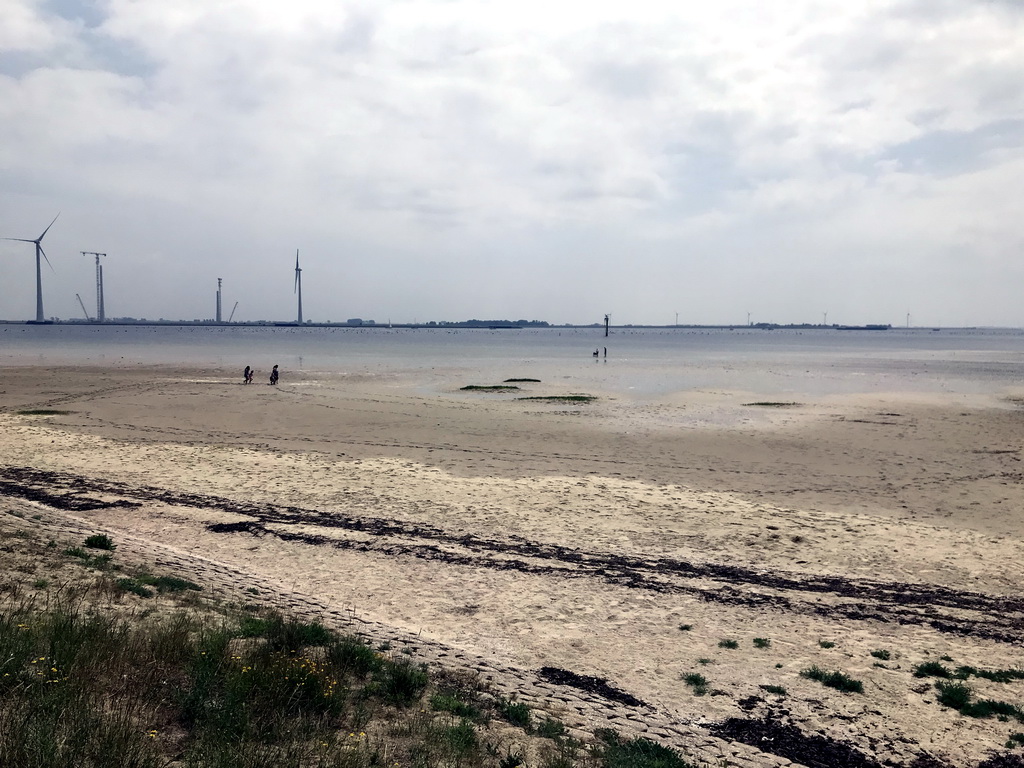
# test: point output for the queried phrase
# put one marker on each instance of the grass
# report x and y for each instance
(762, 642)
(770, 404)
(488, 388)
(936, 669)
(522, 381)
(826, 644)
(80, 686)
(636, 753)
(168, 583)
(698, 682)
(561, 398)
(778, 690)
(731, 644)
(100, 541)
(550, 728)
(838, 680)
(881, 654)
(43, 412)
(93, 674)
(685, 627)
(516, 713)
(932, 669)
(960, 697)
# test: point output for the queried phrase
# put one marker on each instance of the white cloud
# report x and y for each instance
(430, 136)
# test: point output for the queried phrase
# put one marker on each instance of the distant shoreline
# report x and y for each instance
(498, 325)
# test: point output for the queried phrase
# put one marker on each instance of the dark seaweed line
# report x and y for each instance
(888, 601)
(991, 627)
(901, 593)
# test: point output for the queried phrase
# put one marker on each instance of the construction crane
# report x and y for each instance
(232, 311)
(84, 310)
(101, 315)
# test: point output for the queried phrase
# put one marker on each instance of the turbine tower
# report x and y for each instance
(298, 284)
(101, 314)
(219, 280)
(39, 272)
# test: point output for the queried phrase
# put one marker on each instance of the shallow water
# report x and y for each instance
(640, 361)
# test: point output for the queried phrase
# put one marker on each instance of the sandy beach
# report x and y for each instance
(552, 544)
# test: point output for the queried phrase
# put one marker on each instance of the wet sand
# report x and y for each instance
(522, 537)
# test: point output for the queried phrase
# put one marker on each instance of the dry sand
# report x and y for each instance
(535, 541)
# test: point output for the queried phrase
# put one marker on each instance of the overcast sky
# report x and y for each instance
(437, 160)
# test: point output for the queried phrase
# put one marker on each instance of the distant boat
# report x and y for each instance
(876, 327)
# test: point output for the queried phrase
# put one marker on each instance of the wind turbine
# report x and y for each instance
(39, 272)
(298, 283)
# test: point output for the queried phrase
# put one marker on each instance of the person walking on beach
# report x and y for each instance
(246, 375)
(273, 376)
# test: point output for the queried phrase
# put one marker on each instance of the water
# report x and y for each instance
(649, 362)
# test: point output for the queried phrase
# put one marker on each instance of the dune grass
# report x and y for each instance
(93, 674)
(838, 680)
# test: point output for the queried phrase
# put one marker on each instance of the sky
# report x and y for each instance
(447, 160)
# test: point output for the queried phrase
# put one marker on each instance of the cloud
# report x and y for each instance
(430, 138)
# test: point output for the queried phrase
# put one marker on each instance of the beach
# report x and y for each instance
(554, 543)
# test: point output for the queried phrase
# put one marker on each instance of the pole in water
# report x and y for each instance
(606, 319)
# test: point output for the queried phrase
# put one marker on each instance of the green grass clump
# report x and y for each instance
(401, 682)
(450, 702)
(995, 675)
(762, 642)
(516, 713)
(698, 682)
(731, 644)
(960, 697)
(551, 728)
(636, 753)
(43, 412)
(134, 587)
(932, 669)
(685, 627)
(778, 690)
(285, 635)
(838, 680)
(488, 388)
(1015, 740)
(882, 654)
(524, 381)
(100, 541)
(168, 583)
(826, 644)
(770, 404)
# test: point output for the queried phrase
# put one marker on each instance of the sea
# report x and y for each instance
(634, 361)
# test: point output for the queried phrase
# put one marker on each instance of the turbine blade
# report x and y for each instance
(18, 239)
(48, 229)
(47, 260)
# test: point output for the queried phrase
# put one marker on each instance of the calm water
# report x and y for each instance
(643, 362)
